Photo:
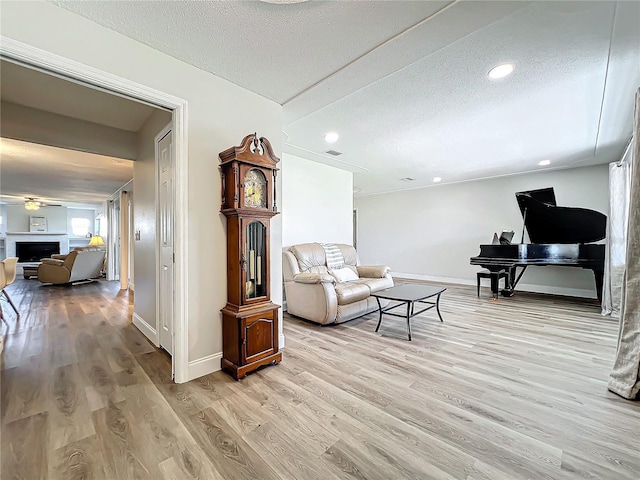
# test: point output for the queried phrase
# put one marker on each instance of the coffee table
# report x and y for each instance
(409, 294)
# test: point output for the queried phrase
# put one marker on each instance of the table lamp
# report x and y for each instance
(96, 241)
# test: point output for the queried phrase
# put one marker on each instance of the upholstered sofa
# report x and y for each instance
(77, 265)
(326, 295)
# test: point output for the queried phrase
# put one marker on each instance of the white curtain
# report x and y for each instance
(617, 224)
(625, 375)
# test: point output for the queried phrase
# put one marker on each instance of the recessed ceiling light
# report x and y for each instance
(544, 163)
(500, 71)
(437, 179)
(331, 137)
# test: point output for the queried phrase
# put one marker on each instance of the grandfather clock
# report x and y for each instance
(249, 319)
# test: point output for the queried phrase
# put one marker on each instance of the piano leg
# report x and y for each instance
(508, 282)
(495, 279)
(599, 276)
(512, 278)
(512, 281)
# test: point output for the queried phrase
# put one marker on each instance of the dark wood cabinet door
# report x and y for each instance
(259, 334)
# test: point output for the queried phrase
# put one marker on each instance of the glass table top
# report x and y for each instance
(409, 292)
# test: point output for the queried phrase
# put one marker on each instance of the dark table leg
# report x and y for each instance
(380, 310)
(438, 307)
(409, 310)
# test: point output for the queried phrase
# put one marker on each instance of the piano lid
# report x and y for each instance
(548, 223)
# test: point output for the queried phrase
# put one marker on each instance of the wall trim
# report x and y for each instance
(523, 287)
(204, 366)
(281, 341)
(72, 70)
(148, 331)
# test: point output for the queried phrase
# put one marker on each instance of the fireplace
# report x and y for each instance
(34, 251)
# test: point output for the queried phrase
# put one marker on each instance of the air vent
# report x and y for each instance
(407, 179)
(333, 152)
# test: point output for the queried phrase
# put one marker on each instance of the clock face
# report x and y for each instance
(255, 189)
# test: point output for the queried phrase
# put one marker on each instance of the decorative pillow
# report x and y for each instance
(345, 274)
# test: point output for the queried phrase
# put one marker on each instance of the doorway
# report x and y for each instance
(76, 72)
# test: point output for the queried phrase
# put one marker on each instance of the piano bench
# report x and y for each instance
(493, 275)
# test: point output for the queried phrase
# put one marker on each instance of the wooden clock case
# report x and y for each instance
(249, 319)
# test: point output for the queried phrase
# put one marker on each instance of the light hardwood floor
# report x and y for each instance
(508, 390)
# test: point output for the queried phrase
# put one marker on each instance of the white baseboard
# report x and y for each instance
(146, 329)
(211, 363)
(203, 366)
(567, 292)
(523, 287)
(431, 278)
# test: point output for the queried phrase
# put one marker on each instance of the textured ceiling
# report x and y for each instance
(405, 83)
(291, 46)
(55, 175)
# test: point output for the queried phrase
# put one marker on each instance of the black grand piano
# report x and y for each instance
(560, 236)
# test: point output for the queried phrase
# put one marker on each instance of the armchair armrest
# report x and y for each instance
(313, 278)
(372, 271)
(52, 261)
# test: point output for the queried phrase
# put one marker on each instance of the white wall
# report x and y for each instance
(317, 202)
(3, 243)
(18, 218)
(219, 113)
(144, 217)
(3, 219)
(432, 232)
(46, 128)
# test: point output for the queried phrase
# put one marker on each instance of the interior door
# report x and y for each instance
(165, 223)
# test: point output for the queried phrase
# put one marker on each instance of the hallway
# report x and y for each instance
(75, 401)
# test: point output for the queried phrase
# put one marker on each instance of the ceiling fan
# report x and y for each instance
(32, 203)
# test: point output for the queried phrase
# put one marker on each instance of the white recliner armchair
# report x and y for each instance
(323, 295)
